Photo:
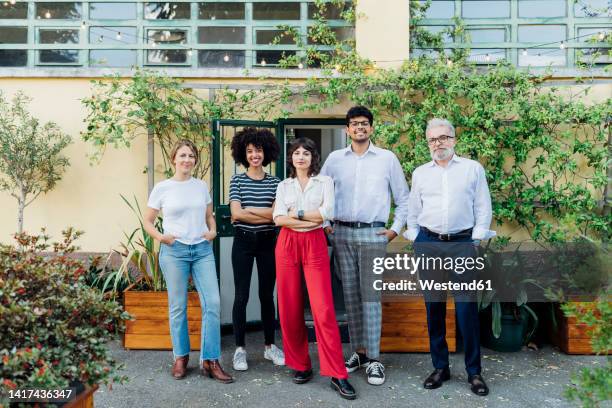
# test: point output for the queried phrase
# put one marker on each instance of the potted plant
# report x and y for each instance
(54, 326)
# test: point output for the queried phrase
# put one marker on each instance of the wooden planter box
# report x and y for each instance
(83, 400)
(404, 326)
(150, 330)
(570, 336)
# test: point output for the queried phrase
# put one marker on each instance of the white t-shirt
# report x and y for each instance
(183, 204)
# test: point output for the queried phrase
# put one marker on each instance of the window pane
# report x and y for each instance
(341, 33)
(486, 8)
(112, 58)
(487, 35)
(13, 35)
(440, 9)
(13, 58)
(446, 37)
(331, 11)
(267, 36)
(276, 11)
(221, 59)
(59, 56)
(62, 11)
(486, 55)
(539, 8)
(221, 11)
(59, 36)
(592, 8)
(167, 56)
(595, 54)
(17, 10)
(112, 11)
(221, 35)
(170, 36)
(112, 35)
(271, 57)
(167, 11)
(543, 57)
(541, 33)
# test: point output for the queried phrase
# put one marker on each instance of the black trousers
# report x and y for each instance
(249, 247)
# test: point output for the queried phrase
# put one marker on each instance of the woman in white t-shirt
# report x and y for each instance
(186, 250)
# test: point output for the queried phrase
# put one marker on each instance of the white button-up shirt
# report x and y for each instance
(364, 185)
(318, 195)
(447, 200)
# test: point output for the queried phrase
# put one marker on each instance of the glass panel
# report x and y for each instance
(276, 11)
(112, 58)
(58, 36)
(486, 55)
(221, 59)
(167, 11)
(112, 35)
(440, 9)
(60, 11)
(17, 10)
(482, 35)
(112, 11)
(167, 56)
(167, 36)
(342, 34)
(221, 35)
(539, 8)
(486, 8)
(541, 33)
(331, 12)
(543, 57)
(592, 8)
(595, 54)
(263, 58)
(266, 37)
(13, 58)
(59, 56)
(13, 35)
(221, 11)
(446, 37)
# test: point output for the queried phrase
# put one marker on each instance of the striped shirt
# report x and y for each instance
(254, 193)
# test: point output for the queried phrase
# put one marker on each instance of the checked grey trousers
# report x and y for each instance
(362, 303)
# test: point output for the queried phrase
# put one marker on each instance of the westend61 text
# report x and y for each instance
(406, 285)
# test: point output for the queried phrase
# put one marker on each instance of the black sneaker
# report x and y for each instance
(356, 361)
(301, 377)
(375, 372)
(344, 388)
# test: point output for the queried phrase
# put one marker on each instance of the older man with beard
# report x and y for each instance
(449, 212)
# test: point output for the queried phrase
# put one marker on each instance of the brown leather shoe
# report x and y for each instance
(212, 369)
(179, 368)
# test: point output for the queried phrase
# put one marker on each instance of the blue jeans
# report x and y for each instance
(177, 262)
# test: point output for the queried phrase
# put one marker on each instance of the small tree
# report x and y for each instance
(31, 162)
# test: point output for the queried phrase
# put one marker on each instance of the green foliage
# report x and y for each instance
(593, 386)
(31, 159)
(121, 110)
(54, 327)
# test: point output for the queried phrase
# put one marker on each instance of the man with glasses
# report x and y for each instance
(449, 213)
(365, 177)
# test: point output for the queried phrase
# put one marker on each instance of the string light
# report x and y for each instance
(5, 4)
(562, 45)
(83, 25)
(525, 52)
(487, 58)
(226, 58)
(300, 65)
(601, 36)
(101, 38)
(13, 2)
(190, 52)
(47, 14)
(449, 62)
(118, 36)
(153, 44)
(263, 62)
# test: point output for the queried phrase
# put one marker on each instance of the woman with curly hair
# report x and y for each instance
(252, 195)
(303, 202)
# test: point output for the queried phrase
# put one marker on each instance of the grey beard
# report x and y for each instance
(445, 155)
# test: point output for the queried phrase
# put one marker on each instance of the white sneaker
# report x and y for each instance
(240, 360)
(375, 373)
(275, 354)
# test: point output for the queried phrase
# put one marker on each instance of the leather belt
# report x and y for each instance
(247, 233)
(350, 224)
(448, 237)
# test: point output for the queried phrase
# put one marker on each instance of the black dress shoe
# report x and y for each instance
(477, 385)
(301, 377)
(436, 378)
(344, 388)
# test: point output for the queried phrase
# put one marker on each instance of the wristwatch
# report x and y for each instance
(300, 214)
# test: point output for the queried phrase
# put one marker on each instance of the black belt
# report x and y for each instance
(448, 237)
(375, 224)
(246, 232)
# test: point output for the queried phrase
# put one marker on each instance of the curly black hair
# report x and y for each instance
(261, 139)
(359, 110)
(308, 144)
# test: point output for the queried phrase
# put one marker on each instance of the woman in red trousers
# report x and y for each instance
(303, 202)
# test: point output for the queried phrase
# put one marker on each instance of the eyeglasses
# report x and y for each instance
(441, 139)
(365, 123)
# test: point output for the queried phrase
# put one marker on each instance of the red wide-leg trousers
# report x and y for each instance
(307, 252)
